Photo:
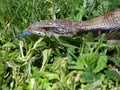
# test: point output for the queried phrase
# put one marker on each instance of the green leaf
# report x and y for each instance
(115, 60)
(52, 76)
(9, 45)
(101, 64)
(1, 68)
(70, 42)
(81, 13)
(41, 44)
(112, 75)
(85, 60)
(90, 77)
(46, 56)
(96, 84)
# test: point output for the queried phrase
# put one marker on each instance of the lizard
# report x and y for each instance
(106, 23)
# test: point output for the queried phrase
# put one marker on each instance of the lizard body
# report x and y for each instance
(104, 23)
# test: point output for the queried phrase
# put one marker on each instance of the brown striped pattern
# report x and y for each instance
(105, 23)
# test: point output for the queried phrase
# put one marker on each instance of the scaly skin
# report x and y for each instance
(105, 23)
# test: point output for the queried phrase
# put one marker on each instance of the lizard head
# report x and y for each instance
(48, 28)
(38, 28)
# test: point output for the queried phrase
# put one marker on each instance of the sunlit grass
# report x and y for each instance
(38, 63)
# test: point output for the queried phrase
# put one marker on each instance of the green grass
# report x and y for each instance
(36, 63)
